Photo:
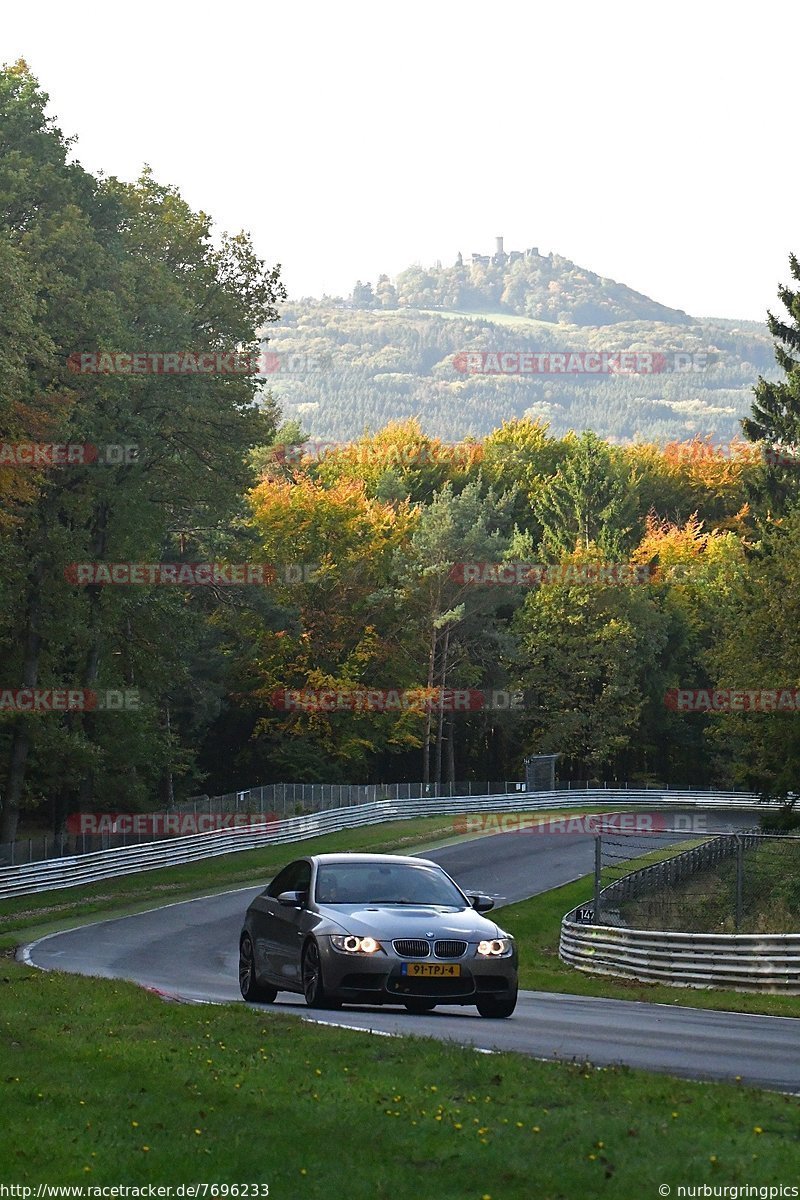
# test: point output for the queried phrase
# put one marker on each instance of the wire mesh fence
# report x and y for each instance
(744, 882)
(88, 832)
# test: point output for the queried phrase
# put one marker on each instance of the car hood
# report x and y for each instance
(407, 921)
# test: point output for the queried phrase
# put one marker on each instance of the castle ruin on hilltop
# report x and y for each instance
(500, 257)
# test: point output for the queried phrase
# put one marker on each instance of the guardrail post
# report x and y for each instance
(739, 881)
(598, 867)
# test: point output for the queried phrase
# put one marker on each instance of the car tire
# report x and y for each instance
(252, 991)
(497, 1006)
(420, 1006)
(313, 983)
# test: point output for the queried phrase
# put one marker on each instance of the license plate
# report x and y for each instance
(431, 970)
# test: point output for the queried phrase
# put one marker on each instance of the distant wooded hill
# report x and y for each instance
(393, 351)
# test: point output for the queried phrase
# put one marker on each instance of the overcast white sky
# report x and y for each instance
(652, 143)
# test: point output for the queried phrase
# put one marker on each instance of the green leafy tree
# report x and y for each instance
(115, 266)
(591, 500)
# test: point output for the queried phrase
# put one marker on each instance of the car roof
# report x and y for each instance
(375, 859)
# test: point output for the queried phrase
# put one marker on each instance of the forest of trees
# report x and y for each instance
(345, 368)
(543, 287)
(368, 592)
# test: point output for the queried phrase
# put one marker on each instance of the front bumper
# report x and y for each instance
(379, 978)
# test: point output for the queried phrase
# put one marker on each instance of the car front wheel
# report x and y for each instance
(252, 991)
(313, 984)
(494, 1006)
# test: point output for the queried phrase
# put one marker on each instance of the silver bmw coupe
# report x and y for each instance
(375, 929)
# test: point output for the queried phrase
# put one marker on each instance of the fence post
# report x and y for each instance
(598, 867)
(739, 881)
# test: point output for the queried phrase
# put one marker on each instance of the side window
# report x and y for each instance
(294, 878)
(302, 881)
(284, 881)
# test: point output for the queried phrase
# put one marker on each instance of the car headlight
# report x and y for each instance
(355, 945)
(495, 948)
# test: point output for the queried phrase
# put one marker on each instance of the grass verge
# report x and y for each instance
(105, 1084)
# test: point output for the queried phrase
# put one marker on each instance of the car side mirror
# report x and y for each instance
(292, 899)
(481, 904)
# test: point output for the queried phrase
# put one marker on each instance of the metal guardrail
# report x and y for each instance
(271, 801)
(744, 962)
(105, 864)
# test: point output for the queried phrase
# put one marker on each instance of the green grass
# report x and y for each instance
(106, 1084)
(514, 320)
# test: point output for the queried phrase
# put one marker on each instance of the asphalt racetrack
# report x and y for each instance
(189, 951)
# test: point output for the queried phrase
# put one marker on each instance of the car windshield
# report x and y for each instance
(378, 883)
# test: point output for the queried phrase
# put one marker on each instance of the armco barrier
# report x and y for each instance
(765, 962)
(744, 962)
(106, 864)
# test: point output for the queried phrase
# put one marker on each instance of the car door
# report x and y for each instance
(285, 927)
(266, 925)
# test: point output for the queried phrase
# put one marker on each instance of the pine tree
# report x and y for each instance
(775, 419)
